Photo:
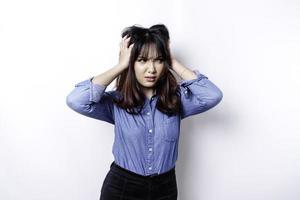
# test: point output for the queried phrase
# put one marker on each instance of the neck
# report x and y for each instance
(149, 92)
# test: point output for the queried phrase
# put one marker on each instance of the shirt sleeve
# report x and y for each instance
(92, 100)
(198, 95)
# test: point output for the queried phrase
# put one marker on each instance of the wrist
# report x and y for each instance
(120, 66)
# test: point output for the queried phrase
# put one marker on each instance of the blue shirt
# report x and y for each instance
(146, 143)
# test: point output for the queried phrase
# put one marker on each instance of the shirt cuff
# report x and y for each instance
(96, 90)
(200, 76)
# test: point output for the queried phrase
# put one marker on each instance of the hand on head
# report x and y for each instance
(125, 51)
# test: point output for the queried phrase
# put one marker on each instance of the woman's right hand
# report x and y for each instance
(125, 51)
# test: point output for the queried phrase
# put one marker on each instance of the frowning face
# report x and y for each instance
(148, 67)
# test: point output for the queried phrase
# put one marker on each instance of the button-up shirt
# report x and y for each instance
(146, 143)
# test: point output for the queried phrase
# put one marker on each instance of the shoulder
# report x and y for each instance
(113, 94)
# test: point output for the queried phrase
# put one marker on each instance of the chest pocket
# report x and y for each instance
(171, 128)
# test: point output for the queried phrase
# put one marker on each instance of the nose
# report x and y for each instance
(151, 67)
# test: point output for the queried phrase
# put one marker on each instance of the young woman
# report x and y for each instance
(146, 108)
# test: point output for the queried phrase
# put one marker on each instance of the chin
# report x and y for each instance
(149, 84)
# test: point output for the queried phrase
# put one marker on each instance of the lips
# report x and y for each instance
(150, 78)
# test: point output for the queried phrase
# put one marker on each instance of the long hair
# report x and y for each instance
(132, 98)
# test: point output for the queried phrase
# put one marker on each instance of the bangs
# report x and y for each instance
(152, 49)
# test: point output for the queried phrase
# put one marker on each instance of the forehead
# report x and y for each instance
(148, 51)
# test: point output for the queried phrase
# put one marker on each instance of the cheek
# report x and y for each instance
(138, 68)
(138, 71)
(160, 69)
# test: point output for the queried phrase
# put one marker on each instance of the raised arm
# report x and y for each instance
(198, 93)
(89, 97)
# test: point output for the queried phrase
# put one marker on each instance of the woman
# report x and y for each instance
(146, 109)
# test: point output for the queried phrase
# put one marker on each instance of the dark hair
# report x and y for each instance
(166, 86)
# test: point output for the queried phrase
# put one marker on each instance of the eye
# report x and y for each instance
(160, 60)
(142, 59)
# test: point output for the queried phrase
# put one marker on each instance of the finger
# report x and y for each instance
(128, 38)
(125, 37)
(130, 46)
(125, 40)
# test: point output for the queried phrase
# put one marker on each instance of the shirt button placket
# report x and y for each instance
(150, 152)
(150, 142)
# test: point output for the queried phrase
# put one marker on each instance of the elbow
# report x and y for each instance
(218, 96)
(70, 102)
(215, 99)
(73, 103)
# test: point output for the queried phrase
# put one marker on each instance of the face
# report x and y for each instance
(150, 66)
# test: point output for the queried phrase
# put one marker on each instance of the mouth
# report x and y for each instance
(150, 78)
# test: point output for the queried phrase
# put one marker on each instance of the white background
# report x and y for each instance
(247, 147)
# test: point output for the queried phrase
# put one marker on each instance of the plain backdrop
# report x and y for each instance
(247, 147)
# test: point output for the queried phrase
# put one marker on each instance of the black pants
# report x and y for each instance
(122, 184)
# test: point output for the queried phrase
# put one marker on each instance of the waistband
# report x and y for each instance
(129, 174)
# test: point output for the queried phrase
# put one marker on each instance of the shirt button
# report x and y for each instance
(150, 149)
(185, 92)
(148, 113)
(150, 168)
(150, 130)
